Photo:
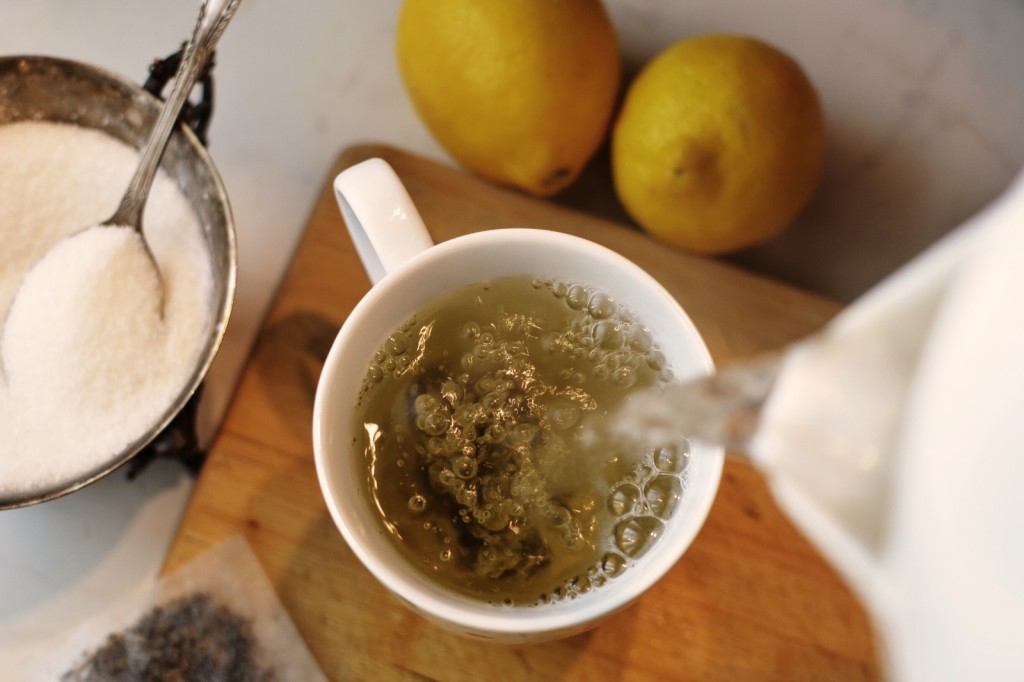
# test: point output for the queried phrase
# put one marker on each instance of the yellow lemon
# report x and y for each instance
(719, 144)
(518, 91)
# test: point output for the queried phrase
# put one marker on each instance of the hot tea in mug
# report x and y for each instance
(473, 419)
(457, 422)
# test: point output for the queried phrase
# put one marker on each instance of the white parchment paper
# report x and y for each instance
(233, 578)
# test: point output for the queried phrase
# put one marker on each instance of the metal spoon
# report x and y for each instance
(214, 16)
(204, 37)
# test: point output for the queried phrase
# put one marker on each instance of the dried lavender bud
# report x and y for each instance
(191, 638)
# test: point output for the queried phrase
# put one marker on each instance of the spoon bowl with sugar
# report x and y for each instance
(112, 262)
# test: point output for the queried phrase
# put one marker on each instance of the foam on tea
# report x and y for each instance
(472, 418)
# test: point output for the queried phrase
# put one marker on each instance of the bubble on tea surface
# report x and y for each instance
(495, 433)
(612, 565)
(635, 535)
(486, 384)
(375, 374)
(656, 360)
(522, 434)
(623, 499)
(607, 335)
(672, 458)
(466, 414)
(434, 423)
(417, 503)
(601, 305)
(640, 339)
(494, 400)
(425, 403)
(396, 344)
(662, 493)
(559, 515)
(446, 477)
(564, 416)
(451, 392)
(624, 377)
(577, 297)
(465, 495)
(465, 467)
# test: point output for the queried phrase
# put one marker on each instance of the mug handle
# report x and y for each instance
(384, 224)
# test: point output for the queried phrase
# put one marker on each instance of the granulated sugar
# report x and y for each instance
(89, 363)
(86, 321)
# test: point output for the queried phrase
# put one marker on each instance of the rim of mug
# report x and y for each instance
(433, 599)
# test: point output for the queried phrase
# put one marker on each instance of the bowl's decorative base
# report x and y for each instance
(178, 441)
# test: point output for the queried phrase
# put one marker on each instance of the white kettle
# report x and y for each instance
(895, 440)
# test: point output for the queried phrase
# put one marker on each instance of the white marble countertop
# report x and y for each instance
(924, 101)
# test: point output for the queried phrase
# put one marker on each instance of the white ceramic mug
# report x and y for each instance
(409, 272)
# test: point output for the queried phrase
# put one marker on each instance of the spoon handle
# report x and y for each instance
(209, 27)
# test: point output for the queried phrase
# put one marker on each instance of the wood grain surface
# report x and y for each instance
(751, 599)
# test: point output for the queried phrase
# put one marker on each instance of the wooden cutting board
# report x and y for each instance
(751, 599)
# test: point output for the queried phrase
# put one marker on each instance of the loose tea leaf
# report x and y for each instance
(191, 638)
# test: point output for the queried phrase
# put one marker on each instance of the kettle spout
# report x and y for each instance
(827, 433)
